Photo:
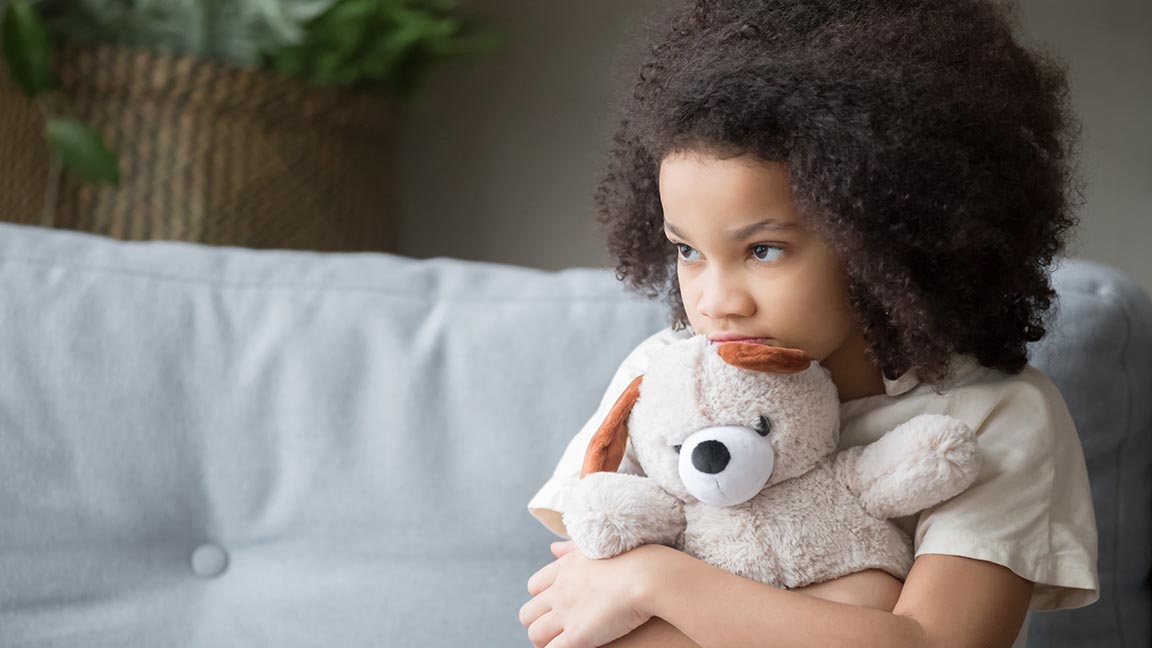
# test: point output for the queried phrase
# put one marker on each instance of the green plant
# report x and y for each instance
(26, 47)
(385, 46)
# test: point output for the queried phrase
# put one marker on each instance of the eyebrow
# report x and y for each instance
(746, 231)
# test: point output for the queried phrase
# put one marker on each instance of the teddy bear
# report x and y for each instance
(737, 445)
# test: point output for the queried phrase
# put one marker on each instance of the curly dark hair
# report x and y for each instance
(931, 150)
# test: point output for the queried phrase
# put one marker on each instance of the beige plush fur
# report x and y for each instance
(783, 508)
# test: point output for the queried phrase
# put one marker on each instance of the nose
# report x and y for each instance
(711, 457)
(725, 298)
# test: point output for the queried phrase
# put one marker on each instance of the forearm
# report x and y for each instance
(718, 609)
(655, 633)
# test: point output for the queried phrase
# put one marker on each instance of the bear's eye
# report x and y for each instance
(676, 448)
(763, 427)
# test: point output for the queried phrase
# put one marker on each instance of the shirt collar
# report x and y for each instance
(963, 365)
(901, 384)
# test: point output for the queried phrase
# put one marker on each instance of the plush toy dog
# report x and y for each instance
(737, 444)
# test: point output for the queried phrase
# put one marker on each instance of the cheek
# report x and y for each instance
(826, 286)
(835, 317)
(817, 314)
(829, 302)
(688, 294)
(826, 301)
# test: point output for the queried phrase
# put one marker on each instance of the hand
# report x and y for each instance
(580, 602)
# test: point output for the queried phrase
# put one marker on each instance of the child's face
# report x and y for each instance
(780, 283)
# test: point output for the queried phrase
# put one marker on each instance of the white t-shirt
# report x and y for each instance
(1030, 509)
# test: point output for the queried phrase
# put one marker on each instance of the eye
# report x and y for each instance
(676, 448)
(763, 427)
(680, 247)
(768, 246)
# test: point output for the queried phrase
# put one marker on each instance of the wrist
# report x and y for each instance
(653, 577)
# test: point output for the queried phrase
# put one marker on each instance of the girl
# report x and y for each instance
(882, 184)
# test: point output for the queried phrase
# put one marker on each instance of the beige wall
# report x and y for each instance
(501, 164)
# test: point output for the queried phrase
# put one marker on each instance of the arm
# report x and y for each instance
(870, 588)
(947, 601)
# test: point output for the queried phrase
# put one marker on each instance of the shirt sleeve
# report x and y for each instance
(548, 503)
(1030, 509)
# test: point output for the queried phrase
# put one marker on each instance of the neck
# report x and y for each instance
(852, 371)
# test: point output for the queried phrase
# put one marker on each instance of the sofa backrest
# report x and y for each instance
(1099, 353)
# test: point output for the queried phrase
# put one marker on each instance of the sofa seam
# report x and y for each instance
(1121, 469)
(209, 282)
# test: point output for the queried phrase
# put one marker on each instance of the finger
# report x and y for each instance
(534, 609)
(545, 629)
(561, 548)
(543, 578)
(567, 640)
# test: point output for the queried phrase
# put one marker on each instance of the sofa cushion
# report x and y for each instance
(218, 447)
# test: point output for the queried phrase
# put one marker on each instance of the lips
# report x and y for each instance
(729, 336)
(721, 338)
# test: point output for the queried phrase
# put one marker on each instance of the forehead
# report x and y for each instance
(736, 190)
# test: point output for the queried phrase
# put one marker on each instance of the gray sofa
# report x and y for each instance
(213, 447)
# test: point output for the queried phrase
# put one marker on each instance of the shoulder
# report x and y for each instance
(1026, 406)
(637, 359)
(636, 362)
(1022, 424)
(1030, 508)
(667, 335)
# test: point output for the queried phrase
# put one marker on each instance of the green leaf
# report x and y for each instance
(82, 150)
(387, 45)
(27, 48)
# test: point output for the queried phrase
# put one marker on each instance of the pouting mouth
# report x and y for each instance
(764, 341)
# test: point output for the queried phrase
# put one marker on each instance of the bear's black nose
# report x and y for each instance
(710, 457)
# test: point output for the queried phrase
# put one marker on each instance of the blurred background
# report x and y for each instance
(504, 166)
(498, 159)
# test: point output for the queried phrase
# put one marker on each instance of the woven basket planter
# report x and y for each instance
(208, 153)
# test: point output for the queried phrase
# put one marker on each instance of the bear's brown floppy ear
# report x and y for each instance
(606, 449)
(760, 357)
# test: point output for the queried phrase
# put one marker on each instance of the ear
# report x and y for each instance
(606, 450)
(760, 357)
